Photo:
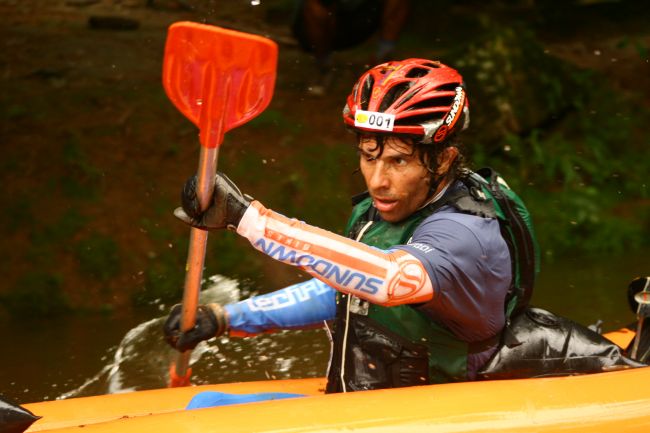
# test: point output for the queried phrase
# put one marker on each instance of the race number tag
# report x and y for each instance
(373, 120)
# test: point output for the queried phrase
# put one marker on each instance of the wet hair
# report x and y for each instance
(428, 155)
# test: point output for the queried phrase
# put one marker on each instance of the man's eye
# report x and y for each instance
(400, 161)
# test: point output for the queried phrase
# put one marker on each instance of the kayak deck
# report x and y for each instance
(92, 410)
(604, 402)
(617, 401)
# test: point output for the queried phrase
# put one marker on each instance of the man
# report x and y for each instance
(416, 293)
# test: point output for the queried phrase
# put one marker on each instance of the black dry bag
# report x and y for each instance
(538, 343)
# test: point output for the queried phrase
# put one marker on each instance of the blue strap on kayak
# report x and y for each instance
(213, 398)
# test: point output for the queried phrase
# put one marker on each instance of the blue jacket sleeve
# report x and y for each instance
(300, 306)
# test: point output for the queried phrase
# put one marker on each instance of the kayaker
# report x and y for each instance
(415, 294)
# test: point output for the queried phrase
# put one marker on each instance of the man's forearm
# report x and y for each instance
(384, 278)
(303, 305)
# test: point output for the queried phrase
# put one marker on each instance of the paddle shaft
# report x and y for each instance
(643, 311)
(196, 253)
(637, 338)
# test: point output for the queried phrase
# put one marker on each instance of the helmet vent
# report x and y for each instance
(366, 92)
(450, 87)
(406, 99)
(419, 120)
(417, 73)
(393, 94)
(443, 102)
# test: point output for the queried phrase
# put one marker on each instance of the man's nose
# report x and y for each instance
(379, 178)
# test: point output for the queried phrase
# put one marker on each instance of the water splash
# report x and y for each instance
(142, 359)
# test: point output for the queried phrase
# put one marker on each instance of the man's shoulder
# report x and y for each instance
(449, 212)
(448, 223)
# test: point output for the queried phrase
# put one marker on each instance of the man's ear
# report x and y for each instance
(446, 159)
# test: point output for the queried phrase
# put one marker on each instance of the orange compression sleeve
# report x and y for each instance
(381, 277)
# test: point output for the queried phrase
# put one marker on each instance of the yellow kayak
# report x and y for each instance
(617, 401)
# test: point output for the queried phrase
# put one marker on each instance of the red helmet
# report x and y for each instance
(414, 96)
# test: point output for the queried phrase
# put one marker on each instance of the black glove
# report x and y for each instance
(210, 322)
(225, 211)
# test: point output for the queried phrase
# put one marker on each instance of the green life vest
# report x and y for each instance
(447, 354)
(517, 230)
(413, 333)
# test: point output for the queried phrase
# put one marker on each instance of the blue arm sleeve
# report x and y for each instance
(299, 306)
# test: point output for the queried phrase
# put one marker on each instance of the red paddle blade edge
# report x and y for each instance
(218, 78)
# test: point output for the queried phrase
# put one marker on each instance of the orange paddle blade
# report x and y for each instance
(218, 78)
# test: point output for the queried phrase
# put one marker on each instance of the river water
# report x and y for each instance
(90, 355)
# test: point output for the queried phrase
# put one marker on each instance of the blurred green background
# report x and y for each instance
(94, 155)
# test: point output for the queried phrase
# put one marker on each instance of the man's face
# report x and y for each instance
(397, 180)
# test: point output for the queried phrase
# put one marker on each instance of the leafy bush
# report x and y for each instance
(564, 139)
(36, 294)
(164, 273)
(164, 279)
(80, 178)
(98, 256)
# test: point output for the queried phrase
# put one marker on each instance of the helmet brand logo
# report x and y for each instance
(441, 133)
(455, 108)
(373, 120)
(452, 116)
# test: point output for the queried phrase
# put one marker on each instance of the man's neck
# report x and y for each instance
(438, 193)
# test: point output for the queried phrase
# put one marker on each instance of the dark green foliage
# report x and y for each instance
(638, 46)
(19, 213)
(589, 176)
(158, 232)
(14, 112)
(80, 179)
(322, 183)
(98, 256)
(277, 120)
(514, 85)
(36, 294)
(229, 254)
(567, 142)
(61, 230)
(50, 241)
(165, 271)
(164, 279)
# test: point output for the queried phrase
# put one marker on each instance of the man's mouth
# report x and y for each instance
(384, 204)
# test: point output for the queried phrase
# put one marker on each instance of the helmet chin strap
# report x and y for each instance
(440, 182)
(435, 197)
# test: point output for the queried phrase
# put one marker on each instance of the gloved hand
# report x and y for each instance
(225, 211)
(210, 322)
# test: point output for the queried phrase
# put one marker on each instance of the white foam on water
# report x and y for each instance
(142, 359)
